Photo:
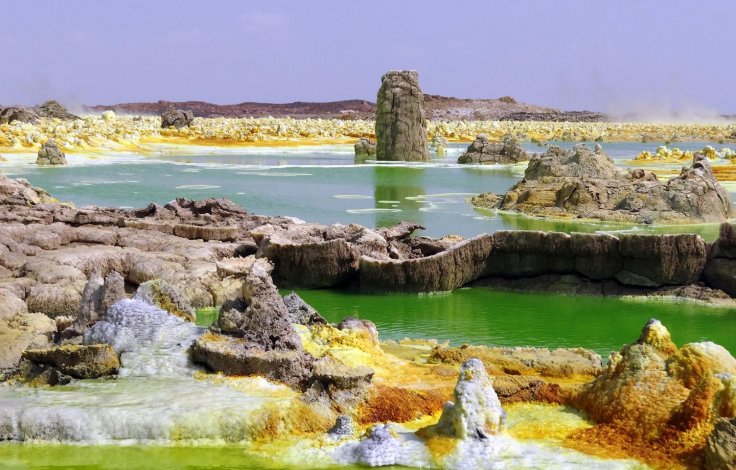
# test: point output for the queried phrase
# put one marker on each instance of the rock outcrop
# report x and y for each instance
(166, 296)
(253, 334)
(483, 151)
(78, 361)
(54, 110)
(401, 128)
(365, 148)
(581, 183)
(13, 114)
(176, 118)
(98, 295)
(50, 154)
(720, 450)
(21, 332)
(653, 392)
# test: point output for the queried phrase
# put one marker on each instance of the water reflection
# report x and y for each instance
(395, 190)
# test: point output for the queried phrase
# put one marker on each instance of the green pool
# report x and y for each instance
(491, 317)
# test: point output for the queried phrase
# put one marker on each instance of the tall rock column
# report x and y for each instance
(401, 128)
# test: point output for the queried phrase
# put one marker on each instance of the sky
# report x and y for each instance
(620, 56)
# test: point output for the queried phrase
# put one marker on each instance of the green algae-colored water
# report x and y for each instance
(501, 318)
(97, 457)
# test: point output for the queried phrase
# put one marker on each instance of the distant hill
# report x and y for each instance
(440, 108)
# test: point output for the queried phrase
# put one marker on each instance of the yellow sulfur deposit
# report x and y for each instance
(111, 132)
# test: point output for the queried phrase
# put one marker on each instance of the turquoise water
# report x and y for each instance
(317, 184)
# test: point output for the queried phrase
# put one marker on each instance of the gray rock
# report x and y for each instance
(343, 427)
(720, 449)
(54, 109)
(380, 447)
(17, 113)
(166, 296)
(301, 312)
(50, 154)
(176, 118)
(401, 128)
(365, 147)
(483, 151)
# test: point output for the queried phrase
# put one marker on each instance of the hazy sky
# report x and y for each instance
(616, 56)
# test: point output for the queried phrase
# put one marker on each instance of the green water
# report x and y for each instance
(29, 456)
(500, 318)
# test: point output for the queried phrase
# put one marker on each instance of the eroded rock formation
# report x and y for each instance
(17, 113)
(483, 151)
(586, 184)
(365, 147)
(50, 154)
(176, 118)
(653, 392)
(401, 128)
(54, 110)
(78, 361)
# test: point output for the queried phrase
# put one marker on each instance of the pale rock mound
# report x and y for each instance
(586, 184)
(476, 412)
(50, 154)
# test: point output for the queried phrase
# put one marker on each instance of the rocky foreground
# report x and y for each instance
(79, 288)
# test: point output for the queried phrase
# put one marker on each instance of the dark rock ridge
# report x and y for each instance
(401, 123)
(441, 108)
(176, 118)
(557, 116)
(586, 184)
(486, 152)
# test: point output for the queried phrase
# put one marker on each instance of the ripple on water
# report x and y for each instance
(371, 210)
(197, 186)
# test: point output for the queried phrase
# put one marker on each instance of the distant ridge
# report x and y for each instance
(439, 108)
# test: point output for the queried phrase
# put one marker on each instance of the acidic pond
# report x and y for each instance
(148, 419)
(499, 318)
(324, 184)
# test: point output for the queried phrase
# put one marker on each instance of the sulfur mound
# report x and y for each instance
(663, 397)
(476, 412)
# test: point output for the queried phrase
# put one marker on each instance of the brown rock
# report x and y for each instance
(81, 362)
